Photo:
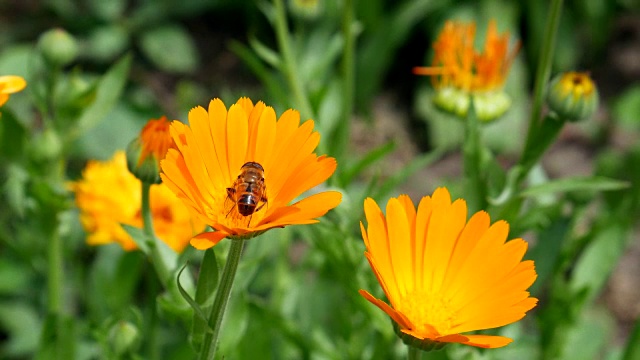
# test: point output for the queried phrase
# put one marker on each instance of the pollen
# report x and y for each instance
(428, 312)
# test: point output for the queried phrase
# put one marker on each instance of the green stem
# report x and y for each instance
(55, 272)
(413, 353)
(543, 72)
(472, 154)
(290, 64)
(221, 299)
(348, 74)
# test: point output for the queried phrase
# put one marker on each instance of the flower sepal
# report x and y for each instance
(145, 168)
(422, 344)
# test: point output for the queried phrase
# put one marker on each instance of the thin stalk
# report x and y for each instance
(413, 353)
(543, 72)
(348, 76)
(221, 299)
(290, 65)
(55, 275)
(472, 151)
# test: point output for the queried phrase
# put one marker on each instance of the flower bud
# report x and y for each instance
(573, 96)
(124, 338)
(46, 145)
(58, 47)
(488, 105)
(306, 9)
(146, 151)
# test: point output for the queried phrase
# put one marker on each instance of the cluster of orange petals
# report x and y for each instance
(457, 64)
(218, 141)
(108, 195)
(444, 276)
(155, 139)
(10, 84)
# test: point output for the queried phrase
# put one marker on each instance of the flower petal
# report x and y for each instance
(208, 239)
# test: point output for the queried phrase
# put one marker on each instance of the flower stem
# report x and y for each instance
(55, 275)
(348, 76)
(221, 299)
(472, 156)
(290, 64)
(543, 72)
(413, 353)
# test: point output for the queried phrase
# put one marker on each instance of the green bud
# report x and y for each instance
(572, 96)
(124, 338)
(46, 145)
(422, 344)
(146, 169)
(306, 9)
(58, 47)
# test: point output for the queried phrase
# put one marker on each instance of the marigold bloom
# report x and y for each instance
(109, 195)
(10, 84)
(145, 152)
(459, 71)
(214, 146)
(444, 276)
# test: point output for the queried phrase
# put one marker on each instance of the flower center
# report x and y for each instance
(428, 310)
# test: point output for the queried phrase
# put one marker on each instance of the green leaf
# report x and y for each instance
(19, 322)
(626, 109)
(108, 91)
(197, 310)
(401, 176)
(578, 183)
(170, 48)
(369, 159)
(58, 338)
(139, 237)
(15, 189)
(599, 259)
(267, 54)
(205, 293)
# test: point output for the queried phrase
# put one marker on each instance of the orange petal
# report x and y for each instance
(308, 208)
(10, 84)
(206, 240)
(237, 137)
(218, 124)
(400, 246)
(396, 316)
(487, 341)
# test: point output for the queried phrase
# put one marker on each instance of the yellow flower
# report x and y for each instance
(145, 152)
(213, 148)
(10, 84)
(109, 195)
(444, 276)
(460, 71)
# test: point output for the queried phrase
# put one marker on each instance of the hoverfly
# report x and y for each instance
(249, 192)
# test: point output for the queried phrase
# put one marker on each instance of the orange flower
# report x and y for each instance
(145, 152)
(444, 276)
(205, 169)
(10, 84)
(459, 70)
(108, 195)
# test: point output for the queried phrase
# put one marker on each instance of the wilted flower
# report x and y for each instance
(10, 84)
(108, 195)
(145, 152)
(460, 73)
(573, 96)
(444, 276)
(241, 160)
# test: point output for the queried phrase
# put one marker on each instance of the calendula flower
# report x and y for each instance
(444, 276)
(460, 73)
(145, 152)
(108, 195)
(10, 84)
(243, 160)
(573, 96)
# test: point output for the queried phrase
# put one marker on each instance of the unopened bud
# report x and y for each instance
(58, 47)
(124, 338)
(573, 96)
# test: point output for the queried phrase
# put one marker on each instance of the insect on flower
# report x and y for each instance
(249, 192)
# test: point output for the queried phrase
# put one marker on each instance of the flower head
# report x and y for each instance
(145, 152)
(459, 71)
(444, 276)
(108, 195)
(573, 96)
(10, 84)
(244, 156)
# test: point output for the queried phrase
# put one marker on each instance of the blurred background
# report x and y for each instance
(183, 53)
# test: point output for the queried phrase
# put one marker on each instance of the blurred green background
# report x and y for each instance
(297, 294)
